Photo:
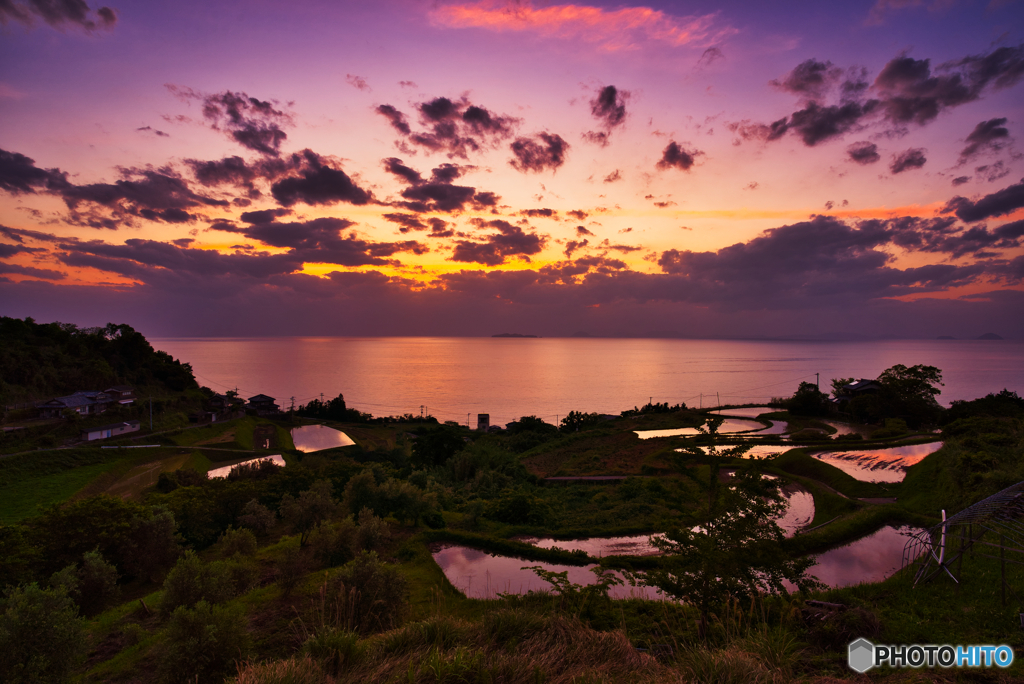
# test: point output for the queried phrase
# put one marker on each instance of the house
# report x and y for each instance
(264, 405)
(112, 430)
(87, 402)
(851, 391)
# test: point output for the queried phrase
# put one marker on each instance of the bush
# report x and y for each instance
(41, 636)
(240, 542)
(334, 543)
(373, 533)
(257, 517)
(381, 596)
(191, 581)
(336, 649)
(311, 508)
(97, 582)
(203, 643)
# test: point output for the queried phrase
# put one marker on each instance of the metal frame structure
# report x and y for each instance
(942, 547)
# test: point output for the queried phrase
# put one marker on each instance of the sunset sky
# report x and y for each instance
(699, 169)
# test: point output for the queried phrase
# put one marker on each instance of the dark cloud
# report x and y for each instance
(57, 13)
(252, 123)
(18, 269)
(600, 138)
(580, 230)
(397, 167)
(675, 156)
(998, 203)
(709, 57)
(991, 135)
(960, 180)
(945, 235)
(264, 215)
(993, 172)
(19, 174)
(496, 249)
(911, 92)
(539, 213)
(317, 183)
(613, 176)
(7, 251)
(577, 214)
(863, 152)
(574, 245)
(908, 159)
(542, 151)
(811, 80)
(395, 118)
(443, 197)
(406, 222)
(821, 262)
(446, 173)
(609, 107)
(321, 240)
(905, 91)
(455, 127)
(150, 129)
(1010, 231)
(625, 249)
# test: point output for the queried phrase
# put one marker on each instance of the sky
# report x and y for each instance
(468, 168)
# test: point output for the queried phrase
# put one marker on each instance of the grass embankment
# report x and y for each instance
(798, 462)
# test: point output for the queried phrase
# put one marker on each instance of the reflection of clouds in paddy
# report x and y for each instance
(869, 559)
(226, 470)
(598, 547)
(879, 465)
(799, 511)
(729, 425)
(479, 574)
(309, 438)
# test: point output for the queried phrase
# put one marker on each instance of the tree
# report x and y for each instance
(576, 421)
(311, 508)
(808, 400)
(734, 550)
(41, 635)
(204, 643)
(435, 447)
(909, 393)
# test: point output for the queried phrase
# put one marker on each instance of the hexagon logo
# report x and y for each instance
(862, 655)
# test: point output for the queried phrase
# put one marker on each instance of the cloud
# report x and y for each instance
(574, 245)
(628, 28)
(580, 230)
(57, 14)
(908, 159)
(675, 156)
(20, 175)
(395, 166)
(357, 82)
(18, 269)
(991, 135)
(811, 79)
(910, 92)
(613, 176)
(455, 127)
(960, 180)
(816, 263)
(252, 123)
(539, 213)
(709, 57)
(496, 249)
(863, 153)
(609, 107)
(321, 240)
(150, 129)
(993, 172)
(542, 151)
(317, 183)
(395, 118)
(905, 91)
(577, 214)
(998, 203)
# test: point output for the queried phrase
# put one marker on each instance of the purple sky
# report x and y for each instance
(469, 168)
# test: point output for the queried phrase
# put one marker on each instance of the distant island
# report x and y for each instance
(990, 336)
(513, 335)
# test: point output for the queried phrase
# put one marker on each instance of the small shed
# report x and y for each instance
(112, 430)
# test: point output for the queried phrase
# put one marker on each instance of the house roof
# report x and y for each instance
(129, 423)
(862, 385)
(260, 398)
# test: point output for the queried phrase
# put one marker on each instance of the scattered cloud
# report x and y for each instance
(317, 183)
(998, 203)
(58, 14)
(454, 127)
(254, 124)
(675, 156)
(538, 153)
(609, 108)
(357, 82)
(908, 159)
(863, 153)
(150, 129)
(987, 136)
(510, 241)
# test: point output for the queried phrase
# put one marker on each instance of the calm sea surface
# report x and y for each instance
(456, 378)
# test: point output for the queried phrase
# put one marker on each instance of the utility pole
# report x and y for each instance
(718, 399)
(292, 409)
(467, 420)
(817, 381)
(701, 400)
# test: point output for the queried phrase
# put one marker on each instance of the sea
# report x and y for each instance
(453, 378)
